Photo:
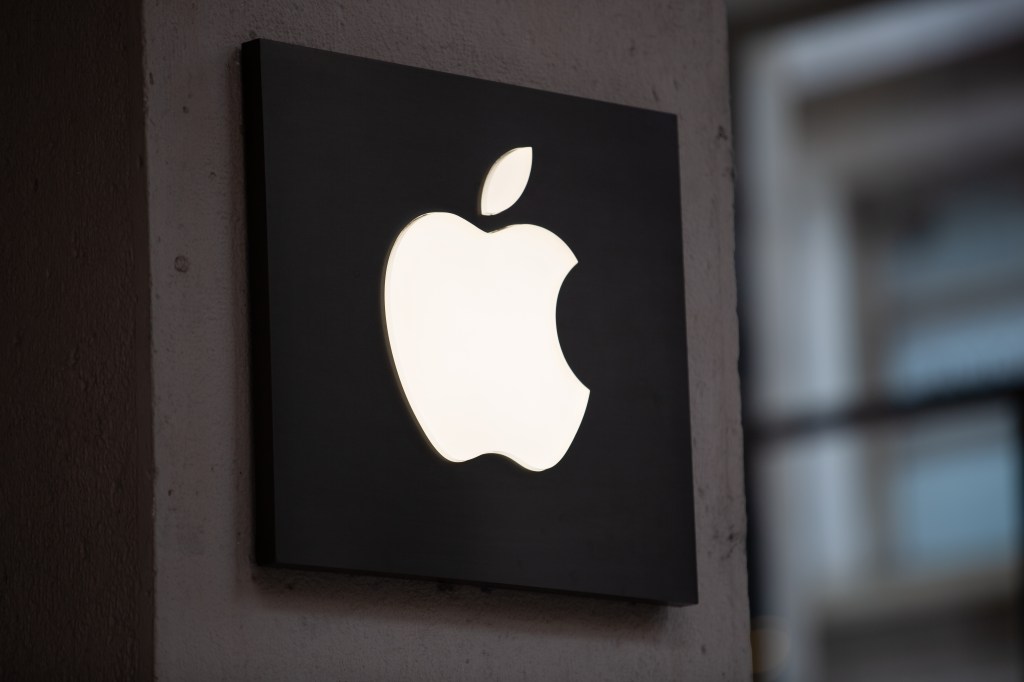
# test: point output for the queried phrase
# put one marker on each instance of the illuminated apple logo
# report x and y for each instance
(470, 319)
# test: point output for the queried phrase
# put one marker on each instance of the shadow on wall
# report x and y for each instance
(415, 600)
(881, 262)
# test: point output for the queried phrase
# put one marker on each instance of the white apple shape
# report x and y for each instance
(470, 319)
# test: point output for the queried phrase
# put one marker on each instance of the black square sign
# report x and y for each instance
(422, 407)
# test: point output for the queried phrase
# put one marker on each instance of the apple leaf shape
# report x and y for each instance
(506, 180)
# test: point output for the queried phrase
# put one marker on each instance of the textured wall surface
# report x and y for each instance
(75, 444)
(218, 616)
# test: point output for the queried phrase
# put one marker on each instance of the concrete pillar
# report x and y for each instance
(91, 405)
(76, 533)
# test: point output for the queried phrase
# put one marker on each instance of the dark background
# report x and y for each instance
(343, 153)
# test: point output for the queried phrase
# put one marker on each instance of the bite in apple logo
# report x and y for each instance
(470, 321)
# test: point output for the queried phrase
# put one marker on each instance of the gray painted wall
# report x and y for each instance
(75, 446)
(217, 616)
